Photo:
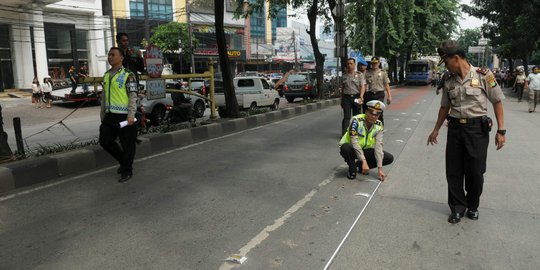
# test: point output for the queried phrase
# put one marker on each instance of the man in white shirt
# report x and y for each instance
(533, 84)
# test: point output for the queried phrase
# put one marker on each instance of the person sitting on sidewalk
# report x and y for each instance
(364, 141)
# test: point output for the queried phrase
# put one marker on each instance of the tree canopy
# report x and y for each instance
(166, 37)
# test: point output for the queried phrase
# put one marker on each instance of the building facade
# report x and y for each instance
(45, 38)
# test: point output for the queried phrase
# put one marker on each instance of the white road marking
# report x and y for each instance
(399, 141)
(407, 128)
(261, 236)
(367, 195)
(414, 120)
(396, 119)
(403, 113)
(418, 113)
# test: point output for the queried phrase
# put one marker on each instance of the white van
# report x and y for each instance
(251, 92)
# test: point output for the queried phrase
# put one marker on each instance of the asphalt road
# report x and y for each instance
(276, 194)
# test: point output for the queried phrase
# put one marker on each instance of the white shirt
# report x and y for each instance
(534, 81)
(35, 88)
(46, 87)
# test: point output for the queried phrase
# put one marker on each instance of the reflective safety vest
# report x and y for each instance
(116, 94)
(366, 138)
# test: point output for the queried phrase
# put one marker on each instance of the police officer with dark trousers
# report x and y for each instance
(378, 82)
(363, 141)
(118, 104)
(351, 95)
(464, 101)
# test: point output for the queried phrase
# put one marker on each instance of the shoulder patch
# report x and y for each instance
(482, 70)
(492, 82)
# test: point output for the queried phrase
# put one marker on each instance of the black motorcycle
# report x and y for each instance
(181, 111)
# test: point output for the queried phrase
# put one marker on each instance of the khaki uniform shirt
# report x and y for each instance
(468, 98)
(377, 79)
(352, 82)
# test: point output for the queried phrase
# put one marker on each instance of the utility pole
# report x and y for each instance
(5, 151)
(257, 53)
(146, 24)
(373, 30)
(295, 55)
(188, 12)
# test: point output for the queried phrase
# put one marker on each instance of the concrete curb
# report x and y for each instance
(28, 172)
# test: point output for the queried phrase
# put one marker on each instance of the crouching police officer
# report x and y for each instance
(464, 100)
(118, 104)
(364, 141)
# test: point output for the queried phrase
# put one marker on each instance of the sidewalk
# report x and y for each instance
(405, 225)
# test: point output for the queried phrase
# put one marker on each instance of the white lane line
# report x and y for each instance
(407, 128)
(418, 113)
(403, 113)
(396, 119)
(55, 183)
(351, 228)
(414, 120)
(399, 141)
(261, 236)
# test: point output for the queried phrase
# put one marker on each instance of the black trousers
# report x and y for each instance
(369, 96)
(466, 153)
(350, 108)
(109, 131)
(349, 155)
(519, 90)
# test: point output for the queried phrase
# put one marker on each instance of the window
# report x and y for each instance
(265, 84)
(246, 83)
(157, 9)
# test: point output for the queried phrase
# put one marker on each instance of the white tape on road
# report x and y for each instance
(261, 236)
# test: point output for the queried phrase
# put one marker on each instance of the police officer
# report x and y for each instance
(364, 141)
(378, 82)
(352, 91)
(465, 95)
(119, 104)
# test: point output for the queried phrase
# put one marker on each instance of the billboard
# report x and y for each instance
(285, 44)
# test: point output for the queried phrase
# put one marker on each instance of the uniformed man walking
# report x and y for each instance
(118, 105)
(353, 87)
(364, 141)
(464, 102)
(533, 85)
(378, 82)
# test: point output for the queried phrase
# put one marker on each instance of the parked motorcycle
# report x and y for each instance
(181, 111)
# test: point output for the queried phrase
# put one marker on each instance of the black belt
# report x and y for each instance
(465, 121)
(374, 92)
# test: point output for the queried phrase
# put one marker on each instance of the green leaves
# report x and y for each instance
(166, 37)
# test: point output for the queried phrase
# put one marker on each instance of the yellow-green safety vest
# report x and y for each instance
(366, 138)
(116, 94)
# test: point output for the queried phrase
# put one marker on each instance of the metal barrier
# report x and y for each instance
(207, 74)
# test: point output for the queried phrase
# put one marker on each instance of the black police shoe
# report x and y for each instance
(125, 176)
(351, 175)
(455, 218)
(473, 214)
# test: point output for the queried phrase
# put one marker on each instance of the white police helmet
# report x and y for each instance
(376, 105)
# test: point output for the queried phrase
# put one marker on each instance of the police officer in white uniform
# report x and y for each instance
(465, 95)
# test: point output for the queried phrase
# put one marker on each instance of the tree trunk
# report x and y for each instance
(228, 88)
(319, 58)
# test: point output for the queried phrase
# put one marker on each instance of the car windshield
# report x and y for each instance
(196, 84)
(296, 77)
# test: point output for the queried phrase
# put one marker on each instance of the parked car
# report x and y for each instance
(155, 109)
(251, 92)
(299, 85)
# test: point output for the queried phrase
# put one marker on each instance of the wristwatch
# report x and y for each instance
(502, 131)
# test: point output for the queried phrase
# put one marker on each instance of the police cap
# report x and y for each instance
(375, 59)
(376, 106)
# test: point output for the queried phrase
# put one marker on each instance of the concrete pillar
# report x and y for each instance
(40, 47)
(23, 71)
(97, 48)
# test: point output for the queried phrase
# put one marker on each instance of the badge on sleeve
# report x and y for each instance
(131, 84)
(491, 80)
(354, 127)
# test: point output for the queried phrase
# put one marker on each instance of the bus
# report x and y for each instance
(420, 71)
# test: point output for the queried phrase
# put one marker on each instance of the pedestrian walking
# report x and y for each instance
(83, 73)
(363, 141)
(378, 82)
(352, 90)
(119, 105)
(519, 84)
(533, 85)
(36, 93)
(466, 93)
(73, 79)
(46, 87)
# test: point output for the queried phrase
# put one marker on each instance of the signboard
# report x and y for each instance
(284, 44)
(155, 89)
(476, 49)
(154, 61)
(234, 55)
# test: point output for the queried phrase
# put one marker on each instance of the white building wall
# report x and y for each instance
(83, 14)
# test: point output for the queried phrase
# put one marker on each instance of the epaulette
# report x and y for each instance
(482, 70)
